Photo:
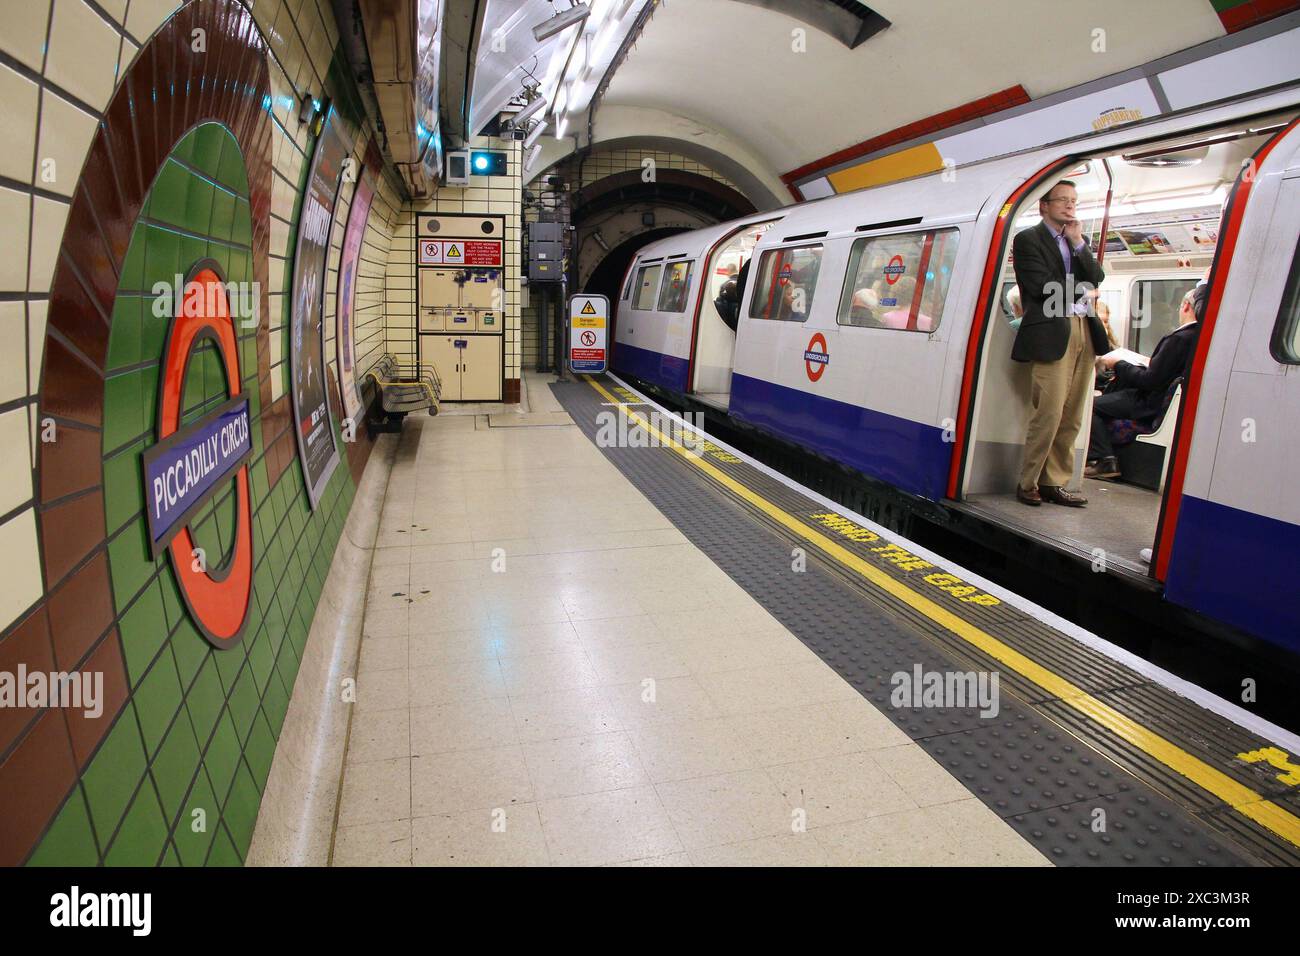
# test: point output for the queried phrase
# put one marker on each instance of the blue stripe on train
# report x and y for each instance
(666, 371)
(906, 454)
(1237, 567)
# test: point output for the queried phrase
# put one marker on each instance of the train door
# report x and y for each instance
(1153, 215)
(717, 312)
(1226, 543)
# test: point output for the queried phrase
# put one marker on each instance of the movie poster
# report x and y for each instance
(349, 261)
(316, 447)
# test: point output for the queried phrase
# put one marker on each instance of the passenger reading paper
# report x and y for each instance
(1142, 393)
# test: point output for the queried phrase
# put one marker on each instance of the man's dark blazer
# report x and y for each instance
(1039, 270)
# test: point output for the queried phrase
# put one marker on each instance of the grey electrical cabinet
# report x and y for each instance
(545, 232)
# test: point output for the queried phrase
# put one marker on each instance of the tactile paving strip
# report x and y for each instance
(1133, 829)
(866, 636)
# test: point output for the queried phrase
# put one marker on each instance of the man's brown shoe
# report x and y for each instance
(1059, 496)
(1030, 497)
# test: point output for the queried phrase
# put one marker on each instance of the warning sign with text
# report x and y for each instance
(588, 318)
(460, 252)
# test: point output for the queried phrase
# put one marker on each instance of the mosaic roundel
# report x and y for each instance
(188, 262)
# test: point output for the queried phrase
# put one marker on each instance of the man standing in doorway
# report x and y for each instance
(1060, 336)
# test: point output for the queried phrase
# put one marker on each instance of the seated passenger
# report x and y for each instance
(1103, 313)
(796, 291)
(896, 305)
(862, 308)
(1017, 308)
(733, 290)
(1143, 394)
(728, 303)
(1104, 376)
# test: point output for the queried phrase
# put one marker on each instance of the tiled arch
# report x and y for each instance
(170, 88)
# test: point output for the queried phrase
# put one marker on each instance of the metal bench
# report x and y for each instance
(406, 388)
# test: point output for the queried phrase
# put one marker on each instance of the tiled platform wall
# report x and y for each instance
(186, 727)
(486, 195)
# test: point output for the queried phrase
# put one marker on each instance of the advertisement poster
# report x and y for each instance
(353, 236)
(316, 448)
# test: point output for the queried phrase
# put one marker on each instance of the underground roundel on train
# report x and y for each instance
(816, 357)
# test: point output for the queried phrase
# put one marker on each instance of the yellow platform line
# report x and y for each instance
(1238, 796)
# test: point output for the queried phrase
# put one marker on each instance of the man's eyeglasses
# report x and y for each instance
(1065, 199)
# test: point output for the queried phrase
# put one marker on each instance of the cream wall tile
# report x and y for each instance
(277, 346)
(15, 209)
(31, 419)
(115, 9)
(129, 50)
(66, 132)
(18, 99)
(20, 564)
(36, 313)
(146, 16)
(24, 34)
(13, 363)
(15, 470)
(83, 53)
(264, 14)
(279, 237)
(48, 220)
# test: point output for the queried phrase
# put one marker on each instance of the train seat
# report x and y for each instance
(1145, 460)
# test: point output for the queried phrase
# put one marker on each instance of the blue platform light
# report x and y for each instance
(487, 162)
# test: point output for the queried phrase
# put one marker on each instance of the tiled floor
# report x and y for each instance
(552, 674)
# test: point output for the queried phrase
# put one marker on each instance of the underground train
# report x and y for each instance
(874, 330)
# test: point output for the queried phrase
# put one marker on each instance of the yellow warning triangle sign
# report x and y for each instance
(453, 252)
(588, 310)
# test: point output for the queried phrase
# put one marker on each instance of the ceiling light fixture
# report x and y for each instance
(535, 133)
(561, 22)
(528, 112)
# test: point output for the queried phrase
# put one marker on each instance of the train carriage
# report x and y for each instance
(874, 330)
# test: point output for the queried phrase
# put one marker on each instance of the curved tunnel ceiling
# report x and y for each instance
(793, 98)
(753, 80)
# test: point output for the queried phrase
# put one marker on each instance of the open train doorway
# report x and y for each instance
(1152, 217)
(725, 274)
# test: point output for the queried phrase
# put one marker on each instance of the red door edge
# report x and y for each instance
(1167, 526)
(975, 344)
(705, 264)
(613, 311)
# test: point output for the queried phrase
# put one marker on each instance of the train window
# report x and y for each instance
(786, 281)
(647, 284)
(1154, 310)
(899, 281)
(677, 281)
(1286, 339)
(627, 285)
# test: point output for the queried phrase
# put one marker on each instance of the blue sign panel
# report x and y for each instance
(185, 469)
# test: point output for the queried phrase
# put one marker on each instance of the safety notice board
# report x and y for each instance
(588, 333)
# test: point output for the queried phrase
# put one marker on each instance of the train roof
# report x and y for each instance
(958, 194)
